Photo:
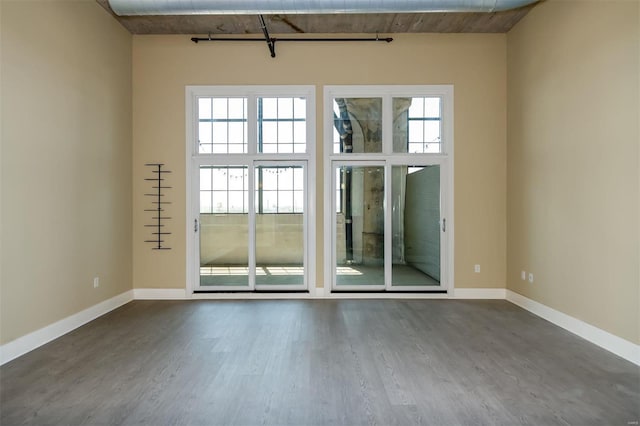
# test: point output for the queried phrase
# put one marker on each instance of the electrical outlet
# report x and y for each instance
(523, 275)
(96, 282)
(530, 277)
(476, 269)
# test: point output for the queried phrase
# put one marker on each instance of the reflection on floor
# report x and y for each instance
(401, 275)
(346, 275)
(232, 276)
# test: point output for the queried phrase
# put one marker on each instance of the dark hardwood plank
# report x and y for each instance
(346, 362)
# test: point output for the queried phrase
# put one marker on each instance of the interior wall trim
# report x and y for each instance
(479, 293)
(617, 345)
(22, 345)
(159, 294)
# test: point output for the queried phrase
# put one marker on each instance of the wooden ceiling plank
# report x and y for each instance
(390, 23)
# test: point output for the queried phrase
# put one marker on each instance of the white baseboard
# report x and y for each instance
(316, 293)
(12, 350)
(159, 294)
(479, 293)
(617, 345)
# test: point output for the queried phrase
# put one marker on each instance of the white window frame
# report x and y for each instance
(195, 159)
(387, 157)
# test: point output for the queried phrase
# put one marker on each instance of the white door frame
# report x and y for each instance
(445, 159)
(194, 160)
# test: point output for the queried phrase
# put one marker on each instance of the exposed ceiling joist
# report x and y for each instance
(382, 23)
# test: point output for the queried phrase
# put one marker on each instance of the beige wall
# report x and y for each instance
(474, 64)
(66, 161)
(573, 141)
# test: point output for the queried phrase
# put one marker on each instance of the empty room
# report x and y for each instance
(320, 212)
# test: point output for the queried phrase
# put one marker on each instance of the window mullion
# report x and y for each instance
(252, 124)
(387, 124)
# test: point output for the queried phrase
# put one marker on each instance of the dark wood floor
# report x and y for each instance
(347, 362)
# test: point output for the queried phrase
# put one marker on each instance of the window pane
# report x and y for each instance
(270, 107)
(367, 129)
(417, 107)
(299, 132)
(285, 108)
(236, 148)
(237, 108)
(236, 202)
(279, 232)
(205, 202)
(285, 132)
(269, 132)
(285, 201)
(225, 124)
(270, 201)
(219, 149)
(432, 131)
(223, 236)
(204, 133)
(220, 133)
(432, 107)
(237, 177)
(219, 201)
(416, 131)
(416, 225)
(219, 178)
(359, 244)
(298, 178)
(220, 108)
(204, 108)
(298, 201)
(416, 126)
(285, 178)
(281, 123)
(336, 141)
(270, 148)
(205, 179)
(236, 132)
(285, 148)
(269, 178)
(300, 107)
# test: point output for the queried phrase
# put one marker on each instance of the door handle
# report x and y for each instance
(195, 225)
(444, 224)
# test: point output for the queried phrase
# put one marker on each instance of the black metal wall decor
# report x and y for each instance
(158, 220)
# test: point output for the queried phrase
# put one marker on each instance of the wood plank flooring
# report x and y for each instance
(297, 362)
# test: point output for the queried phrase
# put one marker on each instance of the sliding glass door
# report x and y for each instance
(387, 227)
(256, 243)
(390, 178)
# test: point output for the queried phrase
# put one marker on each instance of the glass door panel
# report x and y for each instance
(359, 227)
(224, 226)
(415, 226)
(280, 210)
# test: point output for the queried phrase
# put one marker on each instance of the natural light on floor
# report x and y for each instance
(243, 270)
(267, 270)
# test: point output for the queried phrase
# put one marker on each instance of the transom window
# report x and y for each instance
(222, 125)
(424, 121)
(282, 125)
